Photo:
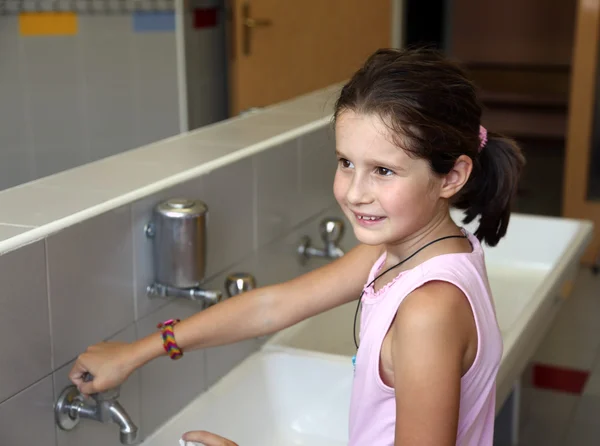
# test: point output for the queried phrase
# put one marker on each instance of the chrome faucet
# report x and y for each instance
(72, 406)
(206, 297)
(238, 283)
(331, 230)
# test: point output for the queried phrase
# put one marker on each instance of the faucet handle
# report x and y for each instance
(331, 229)
(237, 283)
(107, 395)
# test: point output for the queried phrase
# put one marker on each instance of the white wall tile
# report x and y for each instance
(27, 418)
(107, 69)
(168, 385)
(53, 159)
(142, 245)
(16, 151)
(26, 352)
(155, 87)
(55, 110)
(177, 154)
(94, 433)
(228, 192)
(278, 261)
(220, 360)
(16, 165)
(115, 174)
(14, 126)
(277, 191)
(317, 170)
(91, 282)
(28, 203)
(53, 83)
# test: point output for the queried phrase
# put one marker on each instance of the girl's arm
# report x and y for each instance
(251, 314)
(431, 334)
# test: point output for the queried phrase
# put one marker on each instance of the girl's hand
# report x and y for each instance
(207, 439)
(109, 363)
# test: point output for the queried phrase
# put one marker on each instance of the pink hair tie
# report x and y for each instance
(482, 137)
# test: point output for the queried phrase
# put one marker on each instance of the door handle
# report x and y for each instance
(256, 23)
(250, 23)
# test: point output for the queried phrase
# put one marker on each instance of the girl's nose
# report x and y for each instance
(358, 192)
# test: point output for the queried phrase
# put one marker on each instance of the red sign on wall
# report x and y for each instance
(205, 17)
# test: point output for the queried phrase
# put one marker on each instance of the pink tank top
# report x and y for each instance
(373, 406)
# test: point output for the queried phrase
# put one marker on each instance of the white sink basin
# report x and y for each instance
(276, 397)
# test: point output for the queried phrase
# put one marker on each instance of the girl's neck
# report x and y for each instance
(439, 227)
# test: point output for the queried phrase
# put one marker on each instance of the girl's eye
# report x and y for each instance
(384, 171)
(345, 163)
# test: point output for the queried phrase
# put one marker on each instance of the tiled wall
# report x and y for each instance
(67, 100)
(86, 284)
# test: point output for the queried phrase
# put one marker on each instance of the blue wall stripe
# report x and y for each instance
(153, 21)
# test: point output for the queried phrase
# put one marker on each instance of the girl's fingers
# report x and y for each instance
(207, 439)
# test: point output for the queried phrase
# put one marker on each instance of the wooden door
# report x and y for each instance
(581, 194)
(280, 49)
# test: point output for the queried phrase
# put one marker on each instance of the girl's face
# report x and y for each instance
(387, 195)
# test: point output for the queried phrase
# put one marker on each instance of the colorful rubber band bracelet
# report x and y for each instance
(168, 337)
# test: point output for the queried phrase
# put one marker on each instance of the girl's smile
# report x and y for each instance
(367, 220)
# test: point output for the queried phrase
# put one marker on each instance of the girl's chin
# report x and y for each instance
(369, 236)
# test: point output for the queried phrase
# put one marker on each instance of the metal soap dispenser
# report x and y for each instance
(178, 232)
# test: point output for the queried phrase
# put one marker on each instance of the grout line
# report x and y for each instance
(569, 420)
(48, 303)
(26, 96)
(299, 170)
(83, 94)
(255, 203)
(17, 225)
(134, 261)
(29, 386)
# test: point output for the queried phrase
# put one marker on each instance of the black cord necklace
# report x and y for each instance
(396, 266)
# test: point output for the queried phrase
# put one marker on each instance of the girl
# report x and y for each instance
(410, 146)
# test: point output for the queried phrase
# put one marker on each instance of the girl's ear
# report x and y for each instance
(457, 177)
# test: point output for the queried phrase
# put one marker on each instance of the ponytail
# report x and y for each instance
(492, 187)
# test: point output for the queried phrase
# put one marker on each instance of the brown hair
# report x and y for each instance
(433, 112)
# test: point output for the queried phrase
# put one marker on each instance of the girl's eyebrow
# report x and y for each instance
(386, 164)
(375, 162)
